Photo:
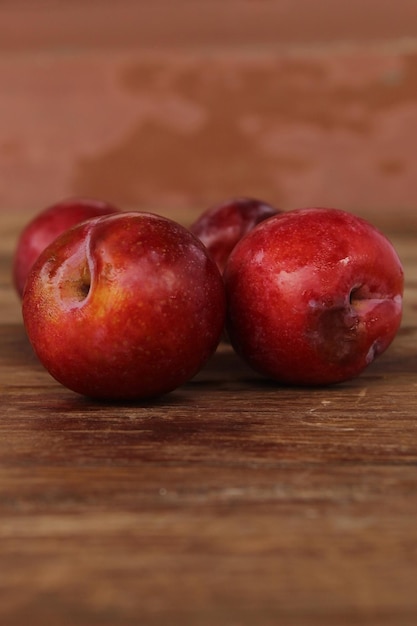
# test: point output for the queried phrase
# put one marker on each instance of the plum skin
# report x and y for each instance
(124, 307)
(45, 226)
(314, 296)
(223, 225)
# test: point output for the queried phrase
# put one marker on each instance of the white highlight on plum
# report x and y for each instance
(258, 257)
(398, 301)
(372, 352)
(315, 304)
(293, 280)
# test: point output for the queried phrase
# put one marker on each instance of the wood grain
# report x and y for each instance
(63, 26)
(231, 501)
(184, 103)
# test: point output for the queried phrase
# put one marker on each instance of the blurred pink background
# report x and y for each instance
(175, 105)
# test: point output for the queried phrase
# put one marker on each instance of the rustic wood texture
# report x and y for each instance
(230, 502)
(183, 103)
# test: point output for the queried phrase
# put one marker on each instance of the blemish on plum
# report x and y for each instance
(77, 289)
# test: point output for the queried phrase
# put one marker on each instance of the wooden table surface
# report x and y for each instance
(231, 501)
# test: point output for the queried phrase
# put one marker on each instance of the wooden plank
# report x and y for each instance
(179, 105)
(58, 26)
(229, 501)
